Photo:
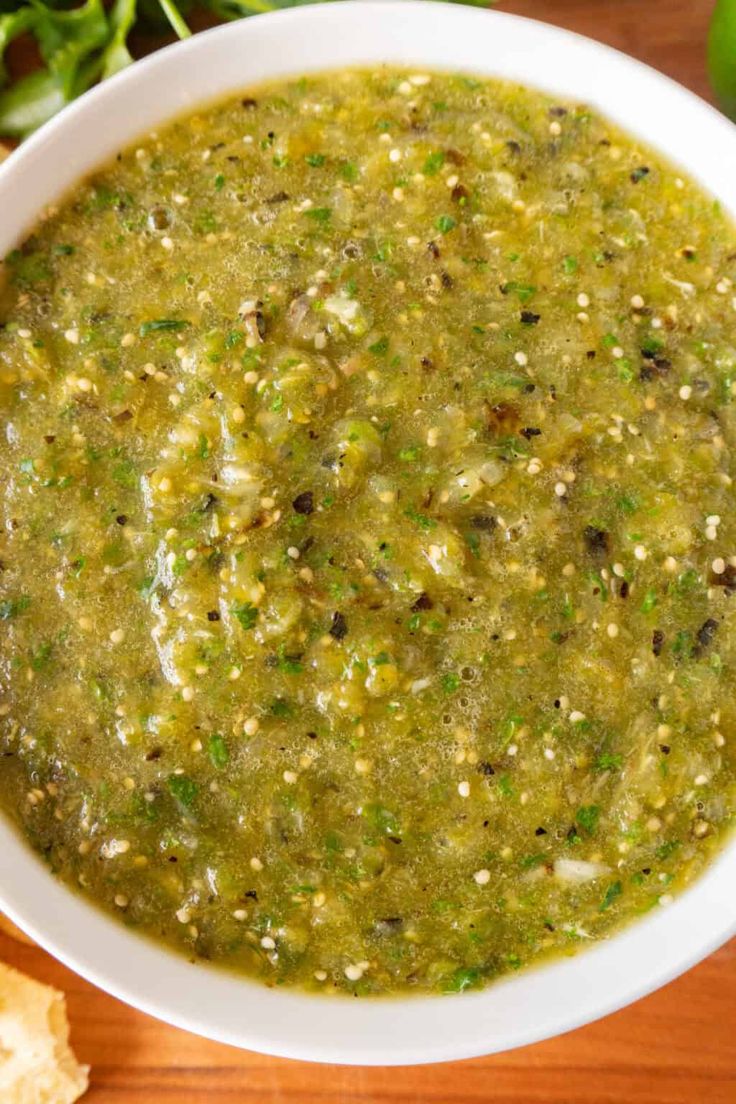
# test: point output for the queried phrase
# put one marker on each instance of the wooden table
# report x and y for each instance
(676, 1047)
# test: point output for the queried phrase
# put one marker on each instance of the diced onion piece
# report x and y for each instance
(578, 871)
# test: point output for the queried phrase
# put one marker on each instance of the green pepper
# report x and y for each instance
(722, 55)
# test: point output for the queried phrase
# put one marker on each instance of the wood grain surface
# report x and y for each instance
(677, 1046)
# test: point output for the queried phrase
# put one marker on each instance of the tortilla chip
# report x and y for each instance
(37, 1065)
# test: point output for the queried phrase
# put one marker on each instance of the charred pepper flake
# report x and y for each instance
(121, 519)
(485, 768)
(657, 367)
(596, 540)
(657, 642)
(529, 318)
(423, 602)
(726, 579)
(486, 523)
(433, 249)
(389, 925)
(339, 627)
(249, 103)
(705, 634)
(639, 174)
(304, 503)
(530, 431)
(213, 615)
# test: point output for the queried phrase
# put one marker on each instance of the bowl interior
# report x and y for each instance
(532, 1005)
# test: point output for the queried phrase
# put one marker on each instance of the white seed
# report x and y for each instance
(482, 877)
(463, 788)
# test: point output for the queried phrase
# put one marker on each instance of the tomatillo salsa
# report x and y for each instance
(368, 553)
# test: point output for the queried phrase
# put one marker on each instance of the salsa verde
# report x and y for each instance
(367, 553)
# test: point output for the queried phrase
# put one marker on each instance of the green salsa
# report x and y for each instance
(368, 554)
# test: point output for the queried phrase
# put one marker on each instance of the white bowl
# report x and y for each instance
(532, 1005)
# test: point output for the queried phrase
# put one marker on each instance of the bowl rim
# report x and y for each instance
(402, 1030)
